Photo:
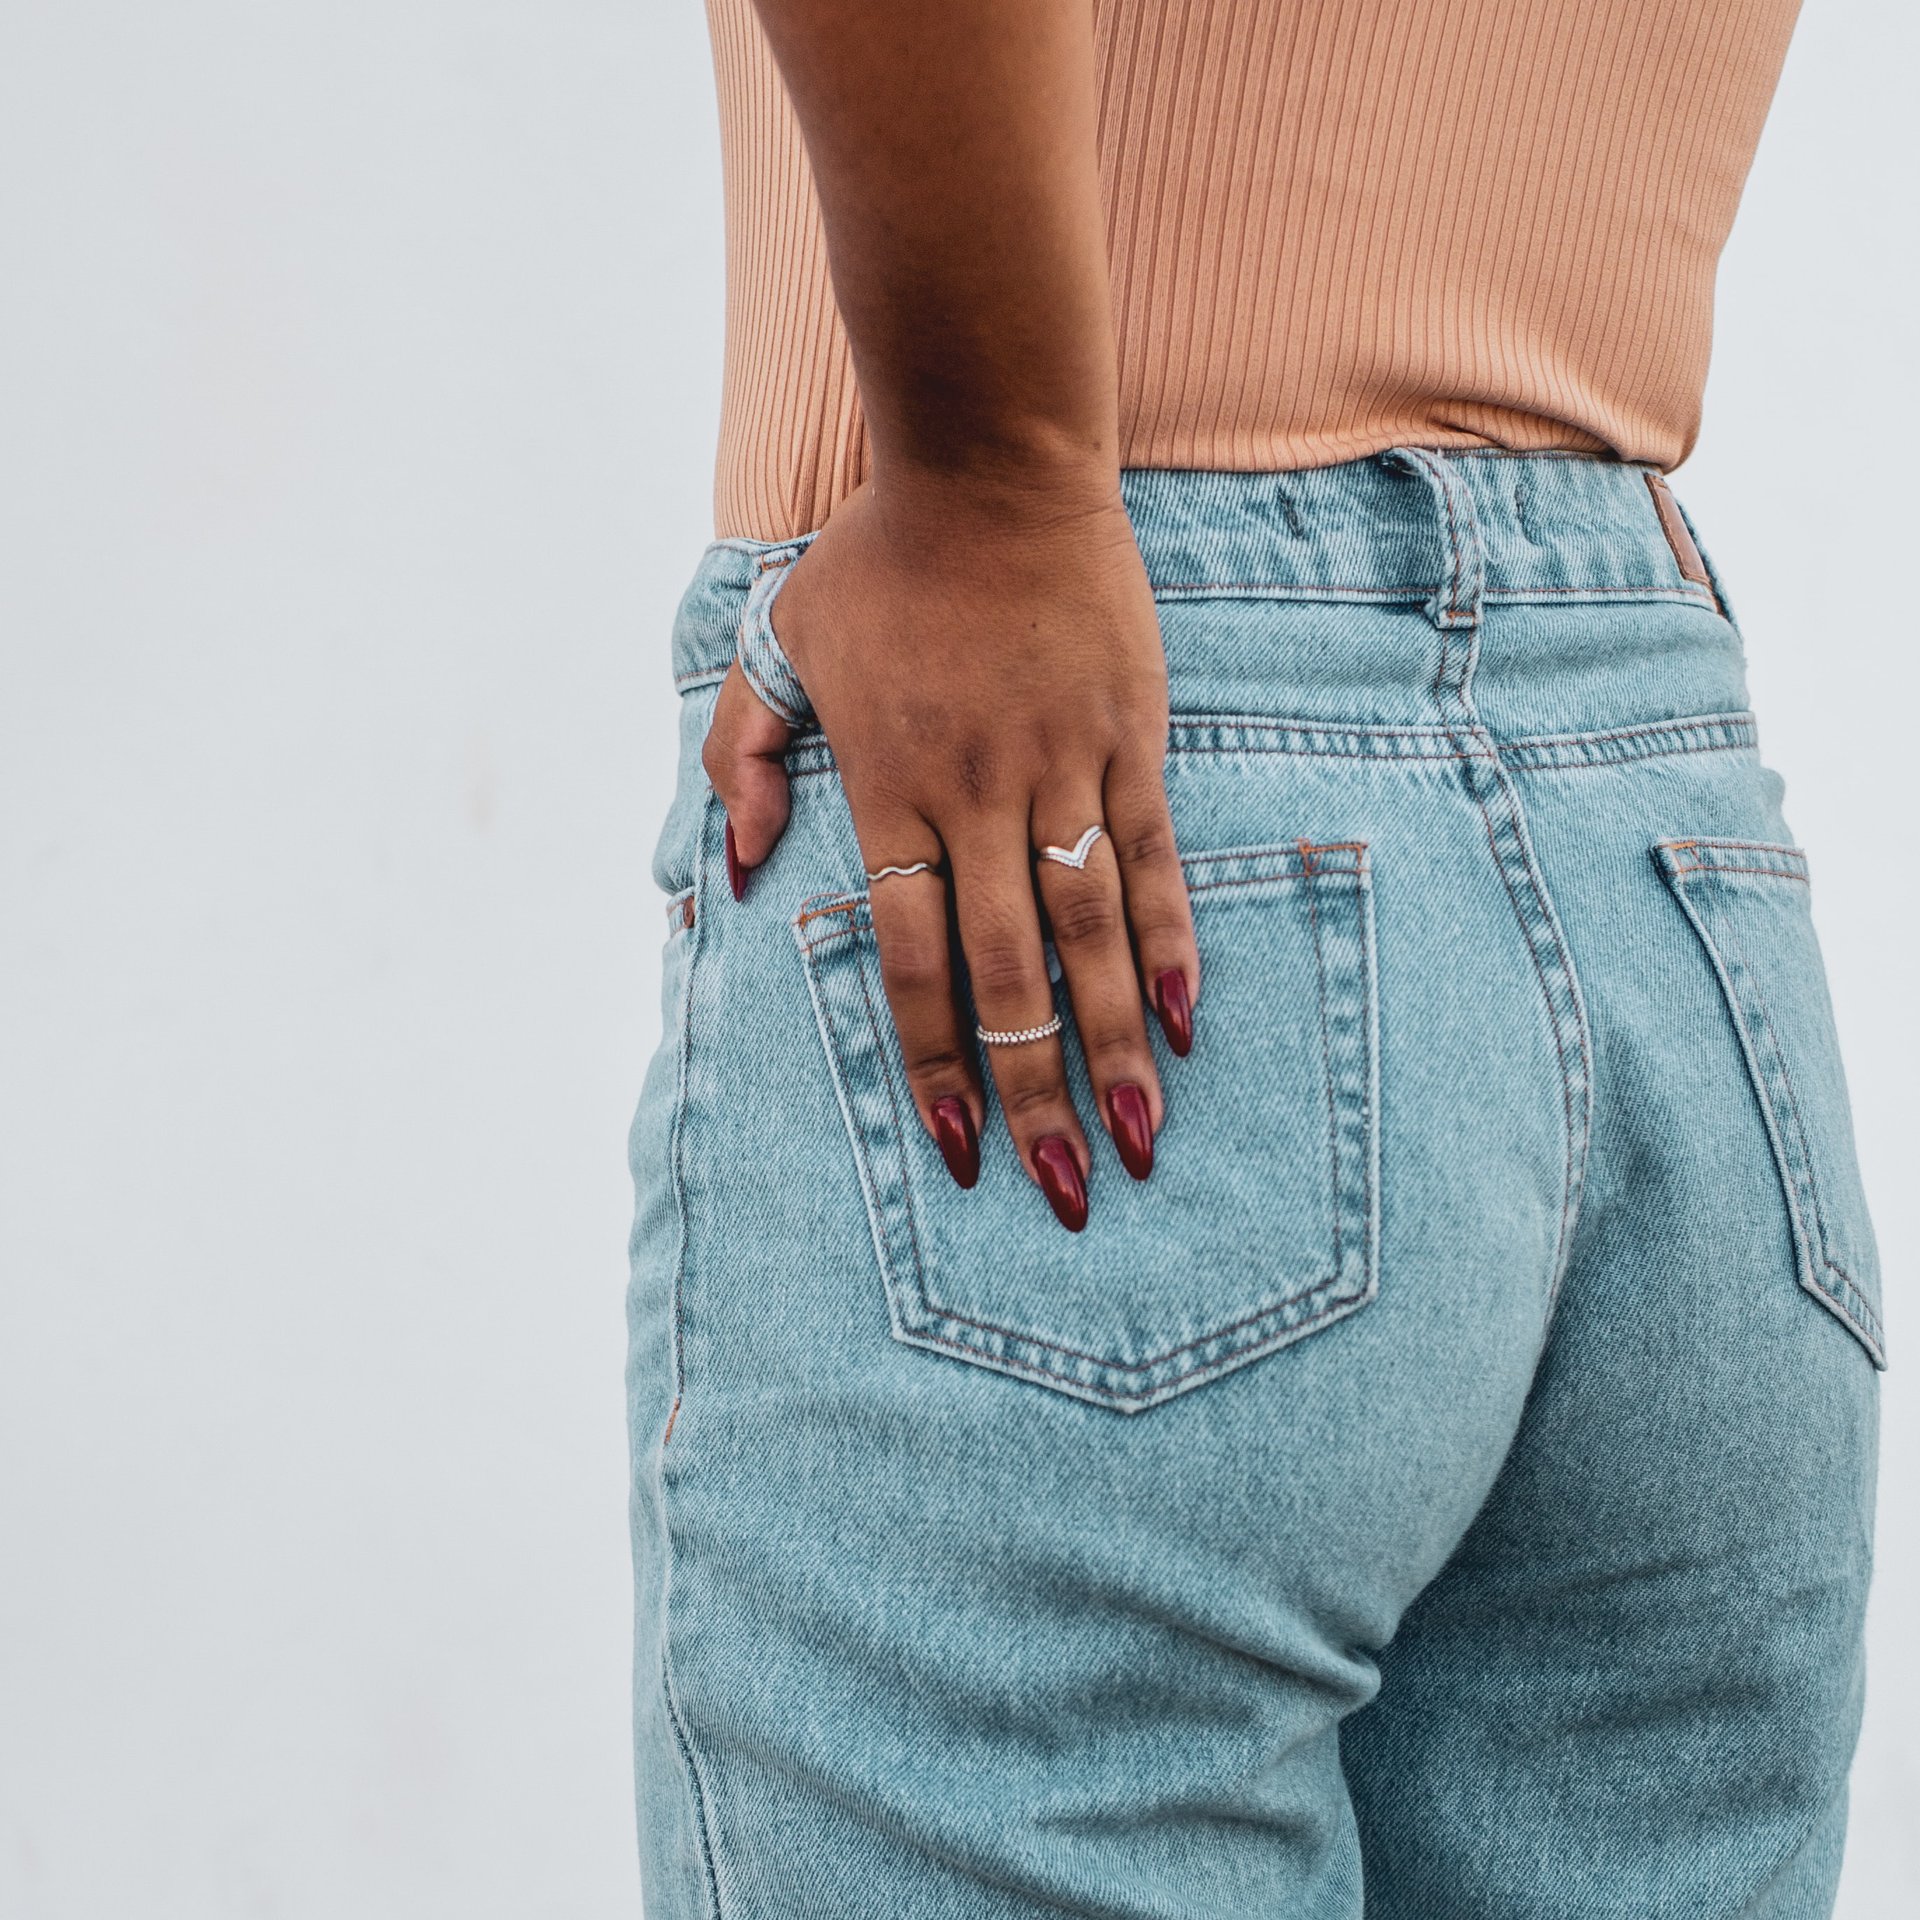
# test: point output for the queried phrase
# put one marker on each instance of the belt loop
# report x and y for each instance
(1458, 599)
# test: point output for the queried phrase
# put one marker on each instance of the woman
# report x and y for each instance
(1250, 1274)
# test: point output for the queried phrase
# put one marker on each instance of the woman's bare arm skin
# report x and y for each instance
(974, 626)
(953, 149)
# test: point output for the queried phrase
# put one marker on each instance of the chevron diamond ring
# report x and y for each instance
(1074, 856)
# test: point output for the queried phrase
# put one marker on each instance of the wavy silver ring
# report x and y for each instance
(900, 873)
(1019, 1036)
(1076, 855)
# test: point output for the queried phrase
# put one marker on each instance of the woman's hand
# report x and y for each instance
(985, 662)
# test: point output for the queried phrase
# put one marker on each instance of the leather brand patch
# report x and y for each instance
(1673, 524)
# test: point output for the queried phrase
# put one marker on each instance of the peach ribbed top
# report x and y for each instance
(1335, 226)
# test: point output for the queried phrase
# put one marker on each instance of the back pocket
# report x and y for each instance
(1259, 1225)
(1749, 904)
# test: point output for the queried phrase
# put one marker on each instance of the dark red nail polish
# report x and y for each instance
(1175, 1010)
(1060, 1181)
(736, 873)
(959, 1144)
(1132, 1128)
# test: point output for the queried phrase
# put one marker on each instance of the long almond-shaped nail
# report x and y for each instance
(1060, 1181)
(736, 873)
(959, 1144)
(1175, 1010)
(1132, 1128)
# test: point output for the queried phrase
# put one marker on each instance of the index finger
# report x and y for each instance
(907, 904)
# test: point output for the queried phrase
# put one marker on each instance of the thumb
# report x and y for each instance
(745, 758)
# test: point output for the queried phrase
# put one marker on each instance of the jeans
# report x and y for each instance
(1444, 1488)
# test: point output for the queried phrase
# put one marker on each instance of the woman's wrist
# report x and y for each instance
(1033, 483)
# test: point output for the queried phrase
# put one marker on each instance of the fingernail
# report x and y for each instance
(1132, 1128)
(736, 873)
(1060, 1181)
(959, 1144)
(1175, 1010)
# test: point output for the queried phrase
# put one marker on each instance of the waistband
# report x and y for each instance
(1451, 532)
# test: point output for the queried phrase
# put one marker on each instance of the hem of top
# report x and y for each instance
(1368, 449)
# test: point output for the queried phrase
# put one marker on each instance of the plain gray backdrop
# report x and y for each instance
(358, 379)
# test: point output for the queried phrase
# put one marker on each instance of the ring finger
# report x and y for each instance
(1019, 1024)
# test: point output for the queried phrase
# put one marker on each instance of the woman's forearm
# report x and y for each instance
(974, 630)
(954, 151)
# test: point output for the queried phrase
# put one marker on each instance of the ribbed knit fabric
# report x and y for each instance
(1334, 226)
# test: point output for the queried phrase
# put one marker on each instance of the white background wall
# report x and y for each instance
(358, 372)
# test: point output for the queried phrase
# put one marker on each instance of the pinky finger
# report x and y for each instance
(1159, 914)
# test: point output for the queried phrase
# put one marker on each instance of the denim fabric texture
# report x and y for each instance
(1443, 1491)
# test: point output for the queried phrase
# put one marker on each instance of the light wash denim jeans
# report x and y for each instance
(1443, 1490)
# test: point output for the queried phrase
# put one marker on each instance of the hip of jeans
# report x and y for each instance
(1555, 604)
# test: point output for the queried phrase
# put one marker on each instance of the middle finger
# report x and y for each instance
(1013, 1000)
(1079, 880)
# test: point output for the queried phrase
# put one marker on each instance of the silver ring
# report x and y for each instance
(1076, 855)
(1019, 1036)
(876, 875)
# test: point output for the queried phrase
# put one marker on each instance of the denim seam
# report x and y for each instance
(1417, 592)
(1771, 873)
(676, 1156)
(1626, 759)
(1790, 1180)
(1187, 1377)
(695, 1789)
(1722, 606)
(1300, 850)
(1226, 886)
(1618, 746)
(1343, 753)
(1692, 723)
(843, 1094)
(1326, 1040)
(1801, 1189)
(1559, 1038)
(1577, 1132)
(1566, 752)
(893, 1103)
(1489, 753)
(1541, 924)
(1507, 754)
(1152, 1365)
(676, 1161)
(1795, 854)
(1868, 1321)
(1281, 723)
(1453, 541)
